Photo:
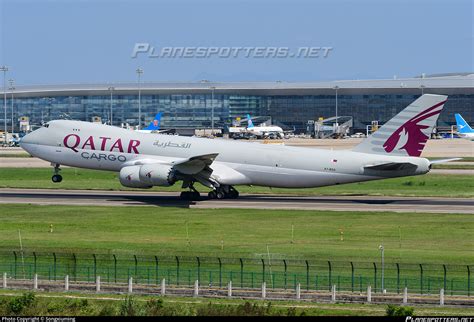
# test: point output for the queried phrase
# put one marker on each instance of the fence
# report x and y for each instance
(278, 273)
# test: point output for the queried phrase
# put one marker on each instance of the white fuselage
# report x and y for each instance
(103, 147)
(467, 136)
(262, 130)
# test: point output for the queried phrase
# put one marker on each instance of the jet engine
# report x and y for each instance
(157, 174)
(130, 177)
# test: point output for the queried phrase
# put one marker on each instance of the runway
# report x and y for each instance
(246, 201)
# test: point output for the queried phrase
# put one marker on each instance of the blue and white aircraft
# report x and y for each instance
(464, 130)
(264, 130)
(154, 125)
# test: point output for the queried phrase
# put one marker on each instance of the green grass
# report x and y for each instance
(15, 155)
(407, 237)
(427, 185)
(233, 234)
(76, 304)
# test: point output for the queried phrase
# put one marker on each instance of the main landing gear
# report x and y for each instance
(224, 192)
(56, 178)
(192, 194)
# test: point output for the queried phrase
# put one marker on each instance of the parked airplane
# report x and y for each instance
(262, 131)
(154, 126)
(145, 160)
(464, 130)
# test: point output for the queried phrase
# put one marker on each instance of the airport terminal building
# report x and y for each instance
(191, 105)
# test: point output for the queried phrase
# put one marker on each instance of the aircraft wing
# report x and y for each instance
(194, 168)
(199, 168)
(195, 164)
(189, 166)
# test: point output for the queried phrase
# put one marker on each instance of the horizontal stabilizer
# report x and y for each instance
(392, 166)
(444, 160)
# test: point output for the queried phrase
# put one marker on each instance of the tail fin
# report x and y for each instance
(155, 124)
(249, 121)
(462, 125)
(406, 133)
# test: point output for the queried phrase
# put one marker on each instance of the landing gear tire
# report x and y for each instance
(224, 193)
(233, 194)
(57, 178)
(212, 194)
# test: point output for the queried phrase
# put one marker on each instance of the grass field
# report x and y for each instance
(15, 155)
(251, 237)
(407, 237)
(107, 304)
(426, 185)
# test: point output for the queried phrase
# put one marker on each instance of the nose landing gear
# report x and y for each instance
(56, 178)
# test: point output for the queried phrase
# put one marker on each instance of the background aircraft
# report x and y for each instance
(263, 130)
(154, 126)
(464, 130)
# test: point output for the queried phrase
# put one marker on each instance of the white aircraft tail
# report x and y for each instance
(406, 133)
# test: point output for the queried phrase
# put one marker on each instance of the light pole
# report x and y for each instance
(111, 89)
(383, 265)
(212, 110)
(11, 81)
(4, 69)
(139, 73)
(336, 88)
(422, 89)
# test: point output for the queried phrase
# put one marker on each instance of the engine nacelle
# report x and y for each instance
(130, 177)
(157, 174)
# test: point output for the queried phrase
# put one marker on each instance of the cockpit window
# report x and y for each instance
(46, 125)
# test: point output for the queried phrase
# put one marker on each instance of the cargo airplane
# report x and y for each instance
(145, 160)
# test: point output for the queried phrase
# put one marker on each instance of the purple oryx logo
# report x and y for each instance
(412, 132)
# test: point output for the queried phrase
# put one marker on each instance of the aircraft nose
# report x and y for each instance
(29, 142)
(28, 139)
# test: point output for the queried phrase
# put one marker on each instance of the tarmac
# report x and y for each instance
(245, 201)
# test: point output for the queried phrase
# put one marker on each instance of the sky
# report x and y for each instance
(55, 42)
